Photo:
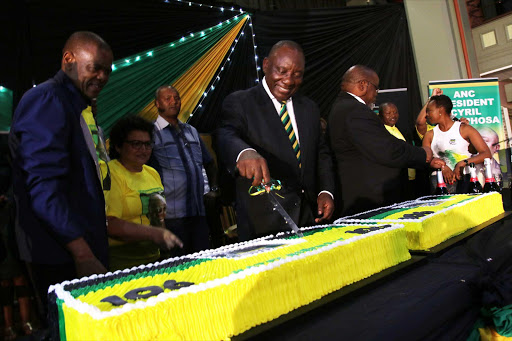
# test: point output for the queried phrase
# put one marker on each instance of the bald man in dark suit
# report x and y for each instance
(368, 158)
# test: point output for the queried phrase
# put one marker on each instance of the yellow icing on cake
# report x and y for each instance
(224, 301)
(444, 216)
(454, 221)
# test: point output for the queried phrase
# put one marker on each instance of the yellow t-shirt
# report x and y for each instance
(101, 151)
(129, 200)
(411, 172)
(429, 127)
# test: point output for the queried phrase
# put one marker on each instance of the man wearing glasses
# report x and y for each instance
(368, 158)
(179, 155)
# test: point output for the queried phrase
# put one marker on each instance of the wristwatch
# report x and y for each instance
(466, 162)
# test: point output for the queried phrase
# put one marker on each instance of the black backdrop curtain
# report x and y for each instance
(333, 40)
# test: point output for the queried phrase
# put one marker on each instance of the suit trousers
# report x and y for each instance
(193, 232)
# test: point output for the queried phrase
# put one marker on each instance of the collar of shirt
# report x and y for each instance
(277, 105)
(162, 123)
(393, 130)
(356, 97)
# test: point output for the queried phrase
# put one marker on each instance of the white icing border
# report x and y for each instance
(344, 220)
(97, 314)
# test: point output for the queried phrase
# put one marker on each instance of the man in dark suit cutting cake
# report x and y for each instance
(269, 132)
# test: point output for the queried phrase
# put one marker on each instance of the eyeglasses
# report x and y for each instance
(137, 145)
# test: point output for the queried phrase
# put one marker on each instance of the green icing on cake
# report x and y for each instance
(109, 283)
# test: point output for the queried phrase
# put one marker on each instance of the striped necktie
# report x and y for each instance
(285, 118)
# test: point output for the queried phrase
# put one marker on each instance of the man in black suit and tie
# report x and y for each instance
(269, 132)
(368, 158)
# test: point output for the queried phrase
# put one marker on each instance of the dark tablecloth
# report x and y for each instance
(438, 299)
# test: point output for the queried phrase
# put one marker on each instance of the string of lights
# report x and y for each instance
(255, 53)
(222, 9)
(184, 39)
(228, 59)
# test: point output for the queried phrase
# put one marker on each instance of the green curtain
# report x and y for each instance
(134, 79)
(193, 84)
(5, 109)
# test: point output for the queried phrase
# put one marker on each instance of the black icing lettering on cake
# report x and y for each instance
(365, 230)
(121, 275)
(173, 285)
(136, 294)
(372, 213)
(114, 300)
(438, 197)
(416, 215)
(145, 292)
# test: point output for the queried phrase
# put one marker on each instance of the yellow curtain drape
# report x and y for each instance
(192, 84)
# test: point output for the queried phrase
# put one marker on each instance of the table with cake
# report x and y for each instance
(225, 292)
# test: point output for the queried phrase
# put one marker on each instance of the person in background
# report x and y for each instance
(388, 113)
(450, 142)
(271, 132)
(60, 207)
(179, 157)
(369, 160)
(134, 198)
(422, 125)
(13, 280)
(491, 139)
(323, 125)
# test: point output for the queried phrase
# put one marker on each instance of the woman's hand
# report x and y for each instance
(457, 172)
(165, 239)
(448, 174)
(437, 92)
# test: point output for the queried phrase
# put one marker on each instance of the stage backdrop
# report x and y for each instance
(132, 28)
(193, 65)
(478, 100)
(333, 40)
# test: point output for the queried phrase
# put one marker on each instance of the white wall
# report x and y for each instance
(435, 40)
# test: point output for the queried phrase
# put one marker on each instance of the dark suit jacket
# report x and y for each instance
(56, 185)
(250, 120)
(368, 158)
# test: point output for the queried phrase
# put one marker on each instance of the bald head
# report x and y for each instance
(87, 61)
(491, 138)
(162, 87)
(286, 43)
(83, 38)
(355, 74)
(361, 81)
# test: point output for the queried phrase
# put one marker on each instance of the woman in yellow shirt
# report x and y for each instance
(135, 194)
